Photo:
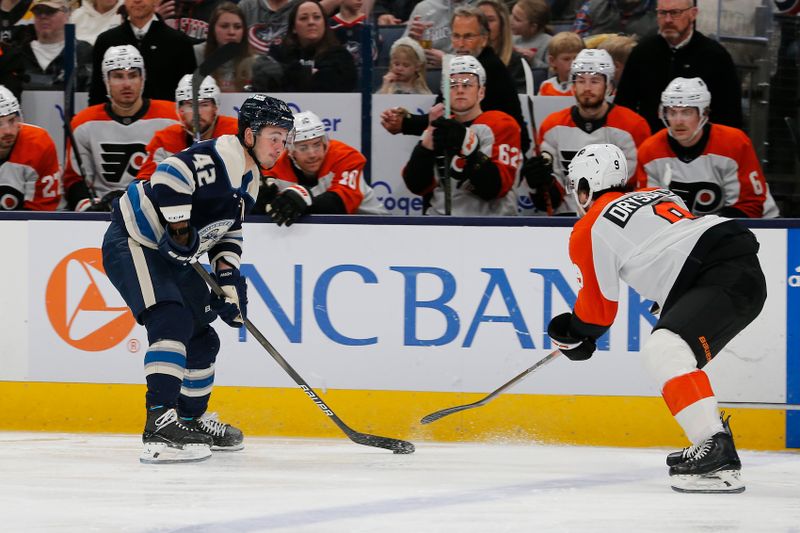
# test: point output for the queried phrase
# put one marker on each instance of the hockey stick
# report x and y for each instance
(443, 160)
(537, 151)
(396, 445)
(433, 417)
(218, 57)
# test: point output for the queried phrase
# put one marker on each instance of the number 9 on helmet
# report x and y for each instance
(595, 168)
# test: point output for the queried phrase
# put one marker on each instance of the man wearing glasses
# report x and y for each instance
(679, 51)
(177, 137)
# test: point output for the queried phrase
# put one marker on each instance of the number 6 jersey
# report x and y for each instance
(642, 238)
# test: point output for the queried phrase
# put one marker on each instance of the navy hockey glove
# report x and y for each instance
(232, 307)
(292, 203)
(179, 254)
(572, 347)
(452, 137)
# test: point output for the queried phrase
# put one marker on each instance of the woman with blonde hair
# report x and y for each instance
(227, 25)
(501, 40)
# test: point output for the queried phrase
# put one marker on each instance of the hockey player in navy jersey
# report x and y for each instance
(193, 204)
(702, 272)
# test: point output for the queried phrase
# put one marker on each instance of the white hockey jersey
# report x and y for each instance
(642, 238)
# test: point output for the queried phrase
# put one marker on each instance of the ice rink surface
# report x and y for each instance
(81, 483)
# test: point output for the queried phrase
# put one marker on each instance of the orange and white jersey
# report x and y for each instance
(175, 138)
(112, 148)
(30, 176)
(565, 132)
(342, 173)
(722, 170)
(553, 87)
(498, 137)
(642, 238)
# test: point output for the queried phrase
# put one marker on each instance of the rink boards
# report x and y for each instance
(388, 321)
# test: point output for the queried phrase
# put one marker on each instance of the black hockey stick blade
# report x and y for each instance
(433, 417)
(365, 439)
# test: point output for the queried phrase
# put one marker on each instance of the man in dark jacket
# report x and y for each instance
(470, 35)
(43, 58)
(679, 51)
(167, 53)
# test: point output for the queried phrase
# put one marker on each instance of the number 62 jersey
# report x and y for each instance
(643, 238)
(207, 184)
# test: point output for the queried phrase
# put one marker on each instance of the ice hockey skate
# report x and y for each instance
(712, 466)
(225, 437)
(169, 439)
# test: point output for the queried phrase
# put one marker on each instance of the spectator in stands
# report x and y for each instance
(311, 57)
(43, 58)
(268, 20)
(529, 20)
(110, 138)
(430, 24)
(406, 69)
(348, 25)
(391, 12)
(478, 150)
(563, 48)
(591, 120)
(470, 36)
(190, 17)
(228, 26)
(15, 27)
(679, 51)
(635, 17)
(500, 39)
(316, 175)
(713, 168)
(619, 47)
(177, 137)
(167, 53)
(12, 70)
(29, 173)
(94, 17)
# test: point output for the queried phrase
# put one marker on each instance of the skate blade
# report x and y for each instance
(234, 448)
(722, 482)
(161, 453)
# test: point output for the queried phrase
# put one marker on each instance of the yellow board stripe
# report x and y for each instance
(582, 420)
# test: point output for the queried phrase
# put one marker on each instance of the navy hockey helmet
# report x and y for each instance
(261, 110)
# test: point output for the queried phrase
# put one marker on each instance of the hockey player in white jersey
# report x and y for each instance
(704, 275)
(193, 204)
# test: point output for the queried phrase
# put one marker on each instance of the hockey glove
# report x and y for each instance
(452, 137)
(175, 253)
(105, 203)
(289, 205)
(573, 348)
(266, 194)
(538, 171)
(232, 307)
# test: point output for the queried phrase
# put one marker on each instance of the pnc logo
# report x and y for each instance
(84, 308)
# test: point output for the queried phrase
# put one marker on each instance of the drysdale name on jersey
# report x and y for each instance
(87, 313)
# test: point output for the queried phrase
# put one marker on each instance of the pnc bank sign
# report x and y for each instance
(84, 308)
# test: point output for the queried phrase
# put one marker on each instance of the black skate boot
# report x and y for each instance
(169, 439)
(712, 466)
(225, 437)
(679, 456)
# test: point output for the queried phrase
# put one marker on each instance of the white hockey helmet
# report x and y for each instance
(307, 126)
(123, 57)
(593, 61)
(465, 65)
(686, 92)
(596, 167)
(8, 102)
(209, 90)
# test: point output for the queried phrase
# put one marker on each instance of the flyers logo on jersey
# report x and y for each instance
(84, 308)
(119, 159)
